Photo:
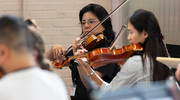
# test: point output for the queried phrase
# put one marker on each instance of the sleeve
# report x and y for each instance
(109, 71)
(128, 75)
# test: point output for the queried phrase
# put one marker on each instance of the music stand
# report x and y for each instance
(174, 50)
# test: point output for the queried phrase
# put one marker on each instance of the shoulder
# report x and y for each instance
(136, 62)
(136, 58)
(32, 76)
(45, 84)
(48, 75)
(34, 73)
(132, 62)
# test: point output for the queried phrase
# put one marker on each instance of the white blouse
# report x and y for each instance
(131, 73)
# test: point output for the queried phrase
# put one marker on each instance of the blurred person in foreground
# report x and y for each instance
(38, 45)
(23, 80)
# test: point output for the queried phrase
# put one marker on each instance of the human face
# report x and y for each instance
(89, 21)
(134, 36)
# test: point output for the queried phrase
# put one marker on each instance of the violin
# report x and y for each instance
(1, 73)
(92, 41)
(103, 56)
(89, 41)
(114, 56)
(89, 44)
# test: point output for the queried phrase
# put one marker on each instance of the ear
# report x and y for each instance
(145, 34)
(4, 53)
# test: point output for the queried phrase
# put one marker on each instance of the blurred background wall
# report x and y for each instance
(166, 11)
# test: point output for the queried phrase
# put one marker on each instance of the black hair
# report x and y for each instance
(153, 45)
(38, 44)
(101, 13)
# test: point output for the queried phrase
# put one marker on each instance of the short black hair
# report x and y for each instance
(101, 13)
(14, 33)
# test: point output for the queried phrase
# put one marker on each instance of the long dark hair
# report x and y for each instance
(153, 45)
(38, 44)
(101, 13)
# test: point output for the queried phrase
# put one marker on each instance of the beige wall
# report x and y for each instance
(166, 11)
(57, 18)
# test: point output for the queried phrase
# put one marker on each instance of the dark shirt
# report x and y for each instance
(109, 71)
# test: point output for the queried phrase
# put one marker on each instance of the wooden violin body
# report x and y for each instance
(92, 41)
(1, 73)
(103, 56)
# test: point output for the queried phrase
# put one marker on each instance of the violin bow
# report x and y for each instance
(121, 5)
(123, 28)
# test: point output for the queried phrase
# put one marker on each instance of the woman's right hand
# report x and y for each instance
(80, 51)
(77, 50)
(58, 51)
(75, 45)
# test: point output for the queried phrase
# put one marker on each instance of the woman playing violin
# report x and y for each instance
(89, 17)
(140, 69)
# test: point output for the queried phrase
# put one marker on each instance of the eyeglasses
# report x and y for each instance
(90, 22)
